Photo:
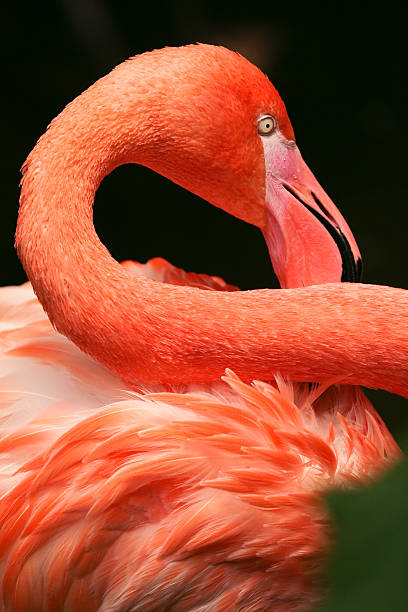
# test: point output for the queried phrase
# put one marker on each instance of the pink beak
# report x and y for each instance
(308, 239)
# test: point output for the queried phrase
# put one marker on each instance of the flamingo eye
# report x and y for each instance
(266, 125)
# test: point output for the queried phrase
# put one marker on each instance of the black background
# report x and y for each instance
(340, 68)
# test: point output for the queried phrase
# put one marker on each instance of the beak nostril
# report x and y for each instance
(359, 268)
(324, 209)
(293, 193)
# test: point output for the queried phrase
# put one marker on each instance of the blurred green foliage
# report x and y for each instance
(369, 565)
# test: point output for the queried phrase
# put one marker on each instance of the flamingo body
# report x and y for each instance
(203, 499)
(134, 474)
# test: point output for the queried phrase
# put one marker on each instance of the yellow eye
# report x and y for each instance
(266, 125)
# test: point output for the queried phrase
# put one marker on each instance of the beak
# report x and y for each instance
(308, 240)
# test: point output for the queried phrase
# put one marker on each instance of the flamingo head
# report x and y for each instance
(209, 120)
(222, 131)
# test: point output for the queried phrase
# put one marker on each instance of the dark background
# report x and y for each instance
(339, 67)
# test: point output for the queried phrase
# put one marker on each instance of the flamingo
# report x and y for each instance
(161, 445)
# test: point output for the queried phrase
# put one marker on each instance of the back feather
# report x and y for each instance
(199, 498)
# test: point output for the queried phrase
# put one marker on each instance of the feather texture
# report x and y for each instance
(165, 500)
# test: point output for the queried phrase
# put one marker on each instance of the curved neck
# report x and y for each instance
(151, 332)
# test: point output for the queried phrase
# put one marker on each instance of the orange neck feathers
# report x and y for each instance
(151, 332)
